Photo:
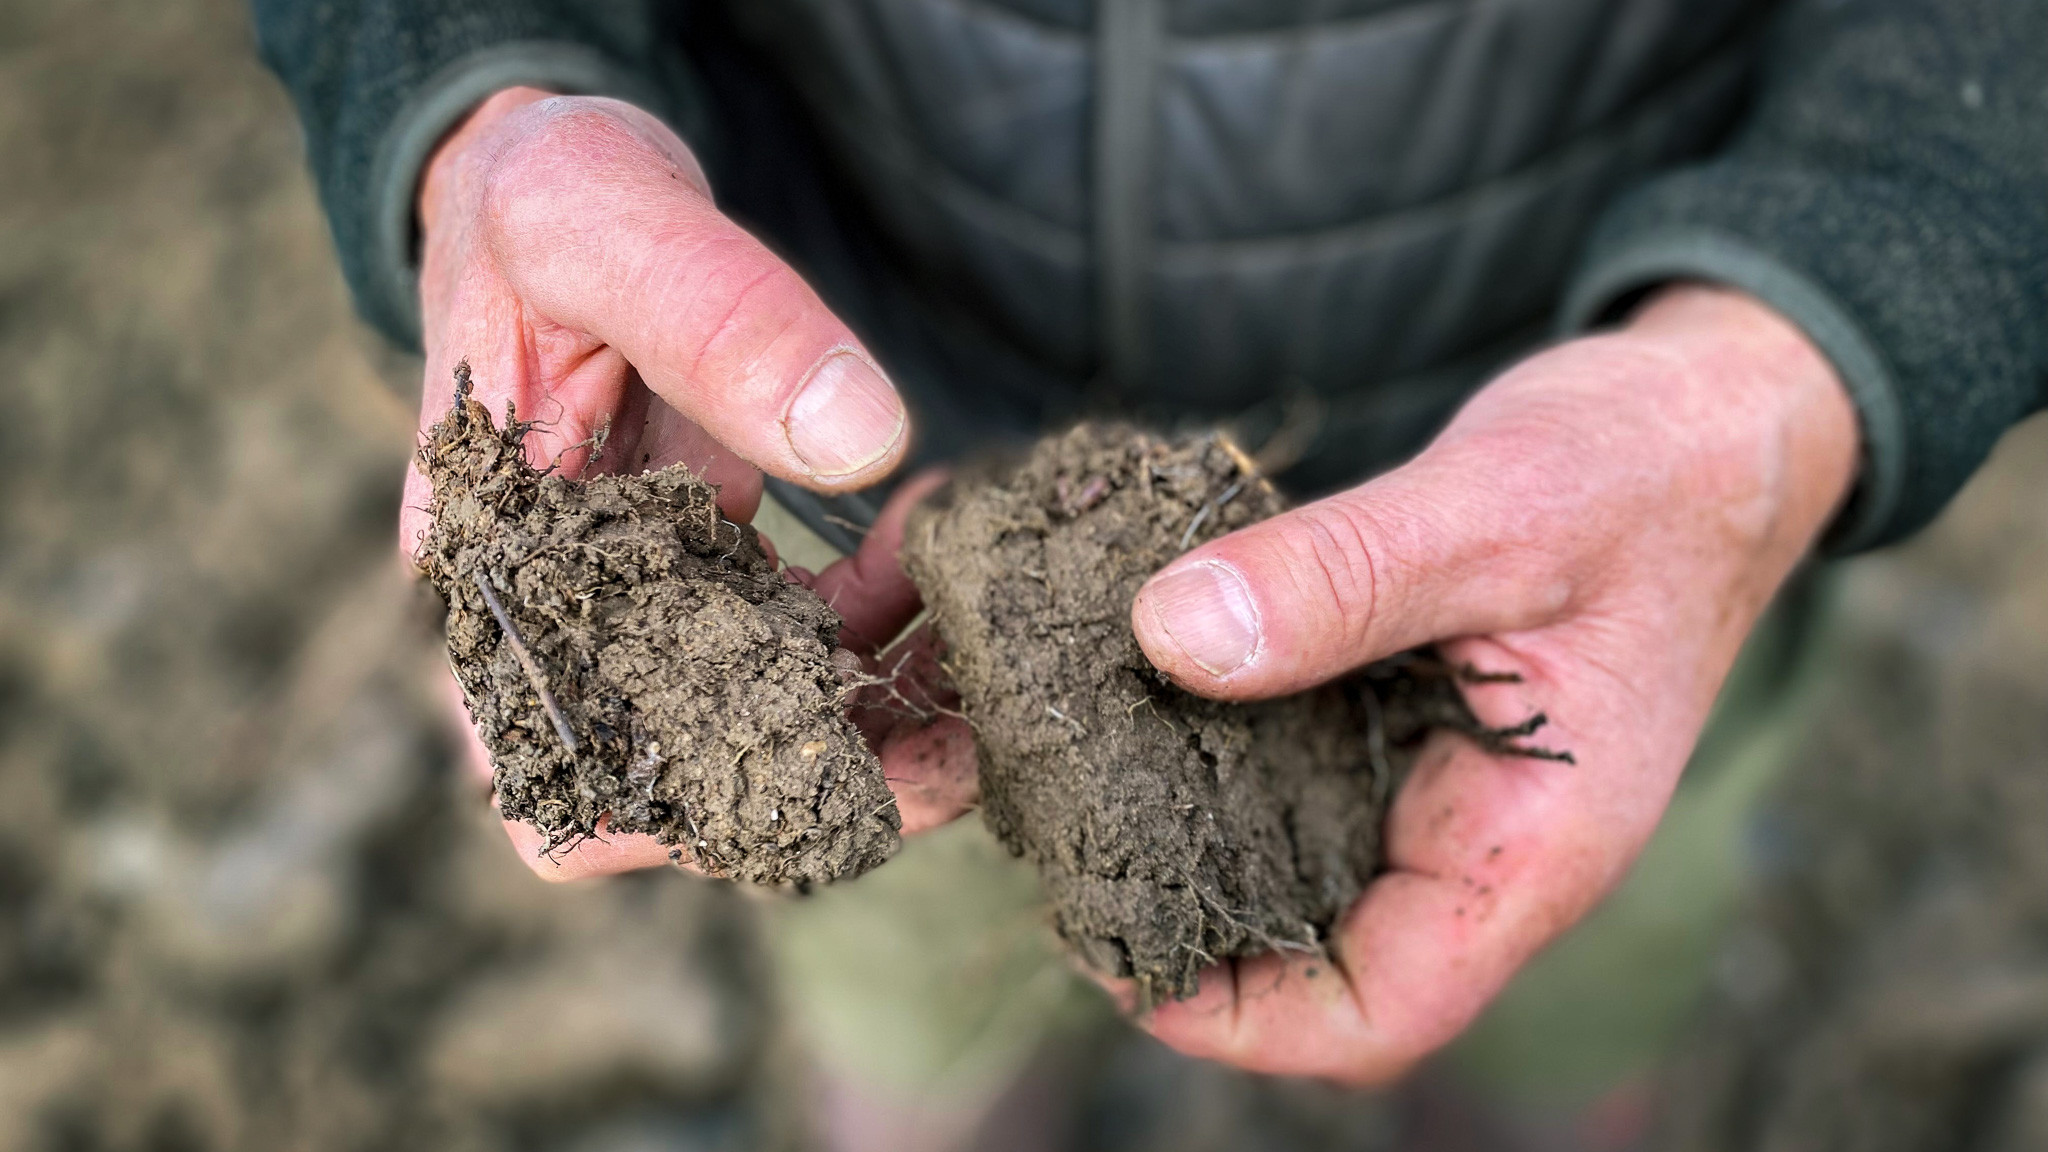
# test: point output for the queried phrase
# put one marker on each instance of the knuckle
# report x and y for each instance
(555, 146)
(1333, 550)
(570, 126)
(514, 185)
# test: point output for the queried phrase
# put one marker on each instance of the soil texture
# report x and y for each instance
(627, 653)
(1171, 831)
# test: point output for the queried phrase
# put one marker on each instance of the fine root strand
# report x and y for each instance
(524, 655)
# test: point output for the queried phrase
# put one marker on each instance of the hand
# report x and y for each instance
(926, 748)
(572, 254)
(1607, 519)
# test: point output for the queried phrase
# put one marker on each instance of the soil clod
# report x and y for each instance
(1170, 831)
(630, 655)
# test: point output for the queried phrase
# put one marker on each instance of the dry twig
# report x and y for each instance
(532, 666)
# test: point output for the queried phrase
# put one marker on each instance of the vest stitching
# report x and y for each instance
(1002, 12)
(1362, 233)
(1310, 29)
(1131, 33)
(1063, 243)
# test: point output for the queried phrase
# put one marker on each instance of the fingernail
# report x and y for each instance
(1206, 610)
(845, 418)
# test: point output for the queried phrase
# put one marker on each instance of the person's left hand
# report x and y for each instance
(1607, 519)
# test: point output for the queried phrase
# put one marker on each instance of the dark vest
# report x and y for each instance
(1211, 207)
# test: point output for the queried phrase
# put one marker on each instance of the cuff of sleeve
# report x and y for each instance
(1613, 278)
(434, 110)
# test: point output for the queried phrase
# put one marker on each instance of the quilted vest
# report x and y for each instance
(1213, 202)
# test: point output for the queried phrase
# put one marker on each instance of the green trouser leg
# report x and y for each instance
(927, 985)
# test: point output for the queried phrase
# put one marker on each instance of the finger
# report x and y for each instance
(571, 398)
(869, 590)
(1122, 992)
(593, 217)
(1433, 550)
(673, 438)
(911, 716)
(606, 854)
(1490, 857)
(566, 386)
(931, 767)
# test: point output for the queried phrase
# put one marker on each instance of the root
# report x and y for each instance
(1249, 472)
(1502, 741)
(860, 531)
(1272, 943)
(595, 442)
(1062, 717)
(894, 702)
(526, 661)
(1210, 509)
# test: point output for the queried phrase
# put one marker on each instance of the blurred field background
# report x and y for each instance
(245, 904)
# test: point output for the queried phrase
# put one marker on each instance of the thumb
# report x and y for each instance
(598, 218)
(1422, 554)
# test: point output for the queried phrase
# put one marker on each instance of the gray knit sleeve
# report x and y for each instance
(1889, 195)
(378, 83)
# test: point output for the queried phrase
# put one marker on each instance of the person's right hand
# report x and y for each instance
(571, 253)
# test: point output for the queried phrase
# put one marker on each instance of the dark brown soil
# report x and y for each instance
(1171, 831)
(626, 650)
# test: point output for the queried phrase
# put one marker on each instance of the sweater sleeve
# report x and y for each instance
(1889, 194)
(378, 83)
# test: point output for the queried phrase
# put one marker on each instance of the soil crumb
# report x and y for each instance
(627, 653)
(1170, 831)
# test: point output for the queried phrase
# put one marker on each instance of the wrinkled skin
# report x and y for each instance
(1608, 519)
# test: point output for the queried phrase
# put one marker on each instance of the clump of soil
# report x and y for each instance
(626, 650)
(1170, 831)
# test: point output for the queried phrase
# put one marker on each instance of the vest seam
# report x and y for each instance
(1710, 73)
(1125, 126)
(1080, 33)
(1309, 29)
(1066, 243)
